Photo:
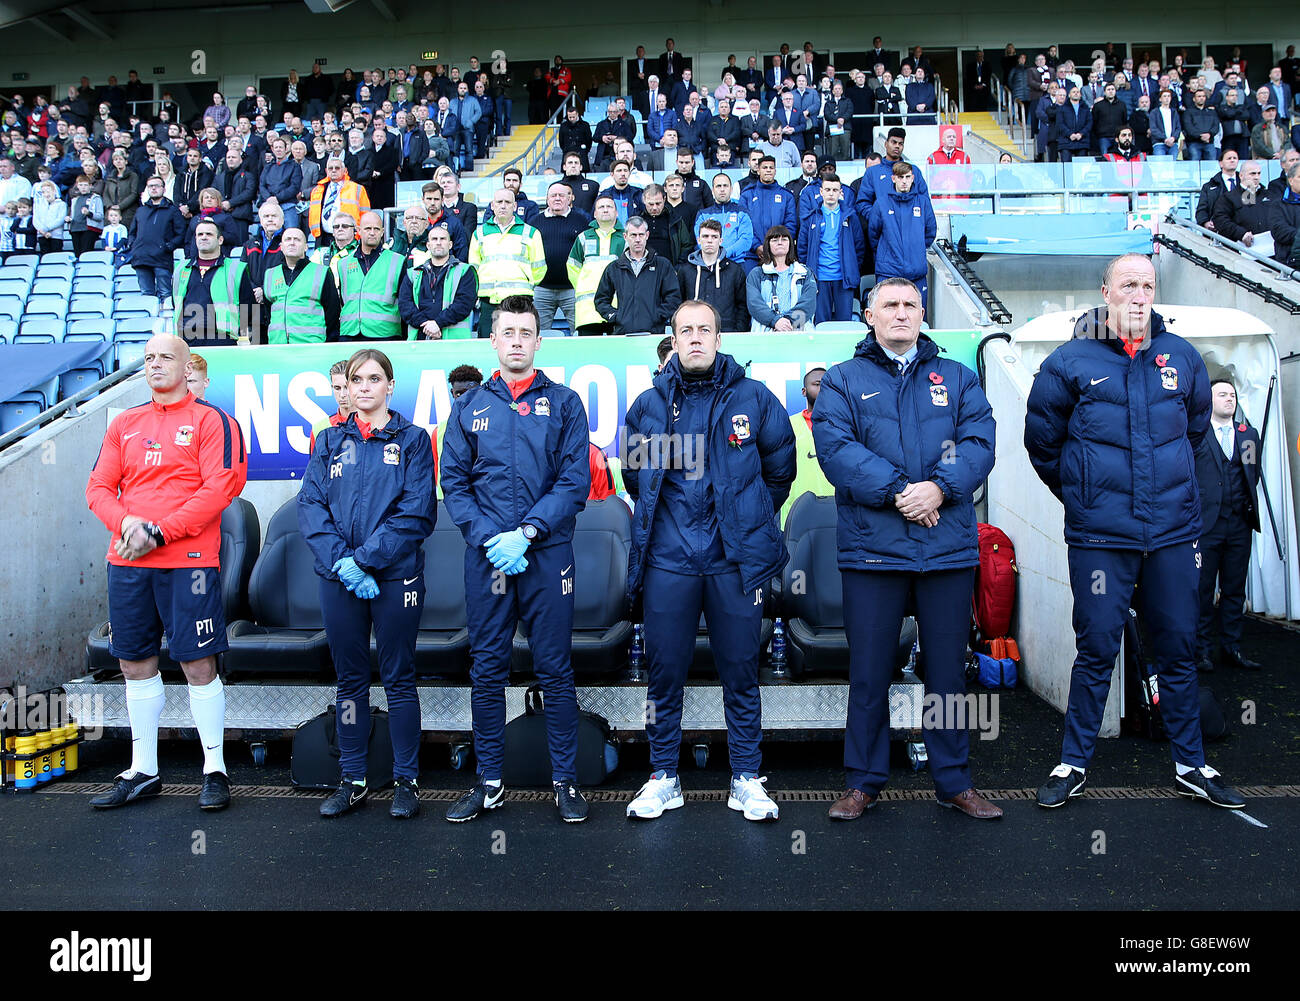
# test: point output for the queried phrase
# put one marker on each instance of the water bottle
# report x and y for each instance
(778, 646)
(636, 655)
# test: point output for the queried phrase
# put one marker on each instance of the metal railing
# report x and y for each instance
(68, 407)
(532, 160)
(1010, 114)
(1287, 273)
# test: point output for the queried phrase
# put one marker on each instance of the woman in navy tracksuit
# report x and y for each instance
(366, 506)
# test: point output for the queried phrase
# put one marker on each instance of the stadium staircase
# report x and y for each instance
(520, 138)
(984, 125)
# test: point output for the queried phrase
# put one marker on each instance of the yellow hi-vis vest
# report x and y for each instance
(509, 262)
(297, 316)
(370, 298)
(808, 476)
(225, 294)
(455, 272)
(593, 251)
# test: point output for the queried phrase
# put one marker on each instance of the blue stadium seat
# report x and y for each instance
(133, 303)
(16, 272)
(27, 260)
(130, 336)
(238, 252)
(15, 286)
(88, 329)
(40, 330)
(98, 304)
(95, 257)
(55, 271)
(126, 284)
(93, 270)
(15, 413)
(74, 380)
(94, 284)
(47, 305)
(59, 257)
(8, 328)
(11, 307)
(52, 286)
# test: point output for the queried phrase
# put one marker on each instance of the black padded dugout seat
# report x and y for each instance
(602, 539)
(241, 538)
(287, 633)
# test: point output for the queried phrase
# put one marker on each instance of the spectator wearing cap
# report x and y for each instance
(1269, 138)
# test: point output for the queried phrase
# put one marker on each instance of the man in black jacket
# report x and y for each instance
(1246, 211)
(238, 187)
(1108, 116)
(584, 189)
(576, 137)
(645, 285)
(709, 277)
(385, 159)
(1216, 187)
(1227, 471)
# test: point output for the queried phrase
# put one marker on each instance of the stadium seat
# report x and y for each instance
(11, 307)
(55, 271)
(92, 329)
(237, 253)
(74, 380)
(94, 257)
(601, 631)
(287, 632)
(241, 537)
(92, 310)
(15, 286)
(59, 257)
(52, 286)
(135, 304)
(40, 329)
(442, 644)
(841, 327)
(26, 260)
(8, 327)
(46, 305)
(93, 270)
(17, 412)
(816, 640)
(92, 285)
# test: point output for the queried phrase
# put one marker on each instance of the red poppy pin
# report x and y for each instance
(1161, 359)
(936, 378)
(524, 409)
(1241, 427)
(735, 441)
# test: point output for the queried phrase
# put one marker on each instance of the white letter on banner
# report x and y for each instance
(302, 388)
(776, 375)
(431, 399)
(554, 372)
(254, 415)
(606, 410)
(638, 381)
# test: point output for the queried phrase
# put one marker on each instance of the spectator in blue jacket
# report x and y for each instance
(906, 437)
(901, 228)
(1074, 127)
(282, 180)
(878, 180)
(768, 203)
(809, 203)
(1115, 417)
(681, 93)
(920, 99)
(365, 520)
(467, 111)
(831, 244)
(157, 229)
(660, 121)
(705, 539)
(780, 293)
(627, 197)
(737, 228)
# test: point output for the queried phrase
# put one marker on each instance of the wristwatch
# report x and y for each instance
(530, 531)
(154, 533)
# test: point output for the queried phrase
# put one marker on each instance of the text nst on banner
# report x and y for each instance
(278, 393)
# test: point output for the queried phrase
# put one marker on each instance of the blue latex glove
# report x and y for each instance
(349, 572)
(505, 548)
(368, 588)
(518, 566)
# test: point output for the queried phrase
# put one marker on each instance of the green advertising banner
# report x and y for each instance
(277, 393)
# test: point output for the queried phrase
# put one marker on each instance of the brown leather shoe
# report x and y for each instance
(974, 805)
(852, 805)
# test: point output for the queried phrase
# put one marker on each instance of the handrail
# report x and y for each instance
(532, 156)
(1228, 274)
(990, 308)
(70, 404)
(1287, 273)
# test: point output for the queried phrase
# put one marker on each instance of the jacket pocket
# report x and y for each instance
(1085, 473)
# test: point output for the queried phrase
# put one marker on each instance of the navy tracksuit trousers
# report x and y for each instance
(1103, 581)
(672, 604)
(873, 616)
(542, 596)
(395, 616)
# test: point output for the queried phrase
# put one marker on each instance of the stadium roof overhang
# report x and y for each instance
(62, 20)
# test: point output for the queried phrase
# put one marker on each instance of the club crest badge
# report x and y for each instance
(392, 453)
(185, 435)
(1169, 377)
(740, 427)
(542, 406)
(939, 395)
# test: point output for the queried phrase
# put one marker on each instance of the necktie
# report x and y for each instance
(902, 365)
(1225, 441)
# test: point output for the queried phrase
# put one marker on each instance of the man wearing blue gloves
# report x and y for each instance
(515, 475)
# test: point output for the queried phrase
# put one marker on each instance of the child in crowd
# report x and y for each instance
(24, 227)
(7, 216)
(85, 217)
(114, 232)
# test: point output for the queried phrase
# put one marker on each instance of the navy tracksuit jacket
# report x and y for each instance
(507, 462)
(372, 497)
(1114, 437)
(705, 538)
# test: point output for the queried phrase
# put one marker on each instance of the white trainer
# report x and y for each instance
(749, 796)
(660, 793)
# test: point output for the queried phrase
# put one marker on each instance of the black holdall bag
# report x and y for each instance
(1143, 695)
(528, 757)
(315, 760)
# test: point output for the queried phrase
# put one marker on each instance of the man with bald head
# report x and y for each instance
(1114, 420)
(165, 472)
(508, 255)
(301, 296)
(369, 281)
(213, 293)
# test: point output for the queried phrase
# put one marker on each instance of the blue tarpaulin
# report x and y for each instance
(1100, 235)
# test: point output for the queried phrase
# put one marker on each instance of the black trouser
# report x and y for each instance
(83, 240)
(1225, 556)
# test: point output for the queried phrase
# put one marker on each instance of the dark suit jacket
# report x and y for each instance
(670, 68)
(1212, 473)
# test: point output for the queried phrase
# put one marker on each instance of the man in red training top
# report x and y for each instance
(602, 480)
(166, 471)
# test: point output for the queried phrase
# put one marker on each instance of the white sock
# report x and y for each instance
(208, 707)
(144, 706)
(1063, 770)
(494, 783)
(1205, 770)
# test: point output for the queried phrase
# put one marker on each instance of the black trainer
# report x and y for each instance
(1196, 785)
(348, 796)
(128, 790)
(215, 794)
(406, 799)
(1235, 658)
(570, 802)
(1063, 784)
(481, 797)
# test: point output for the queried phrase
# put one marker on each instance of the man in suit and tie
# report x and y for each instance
(1281, 92)
(753, 125)
(1143, 84)
(876, 54)
(751, 78)
(977, 82)
(773, 76)
(670, 65)
(648, 101)
(1227, 470)
(638, 81)
(681, 92)
(448, 124)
